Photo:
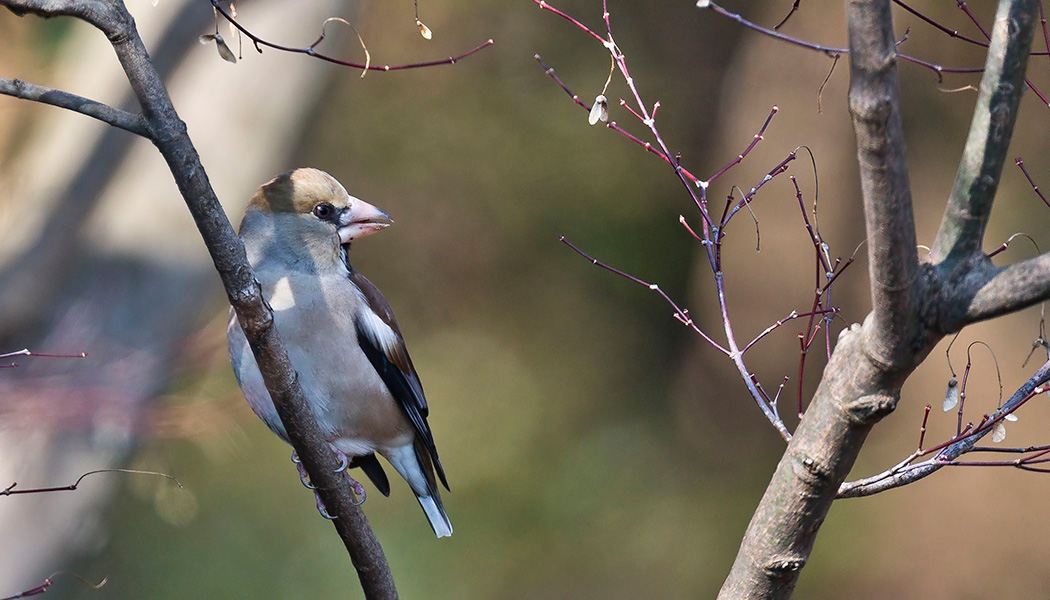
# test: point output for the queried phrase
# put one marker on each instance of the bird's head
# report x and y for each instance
(315, 204)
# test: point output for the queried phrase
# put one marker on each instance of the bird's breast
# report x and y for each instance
(315, 317)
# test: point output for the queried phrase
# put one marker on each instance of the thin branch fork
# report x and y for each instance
(710, 233)
(947, 453)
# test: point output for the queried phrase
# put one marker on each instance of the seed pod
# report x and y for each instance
(424, 30)
(998, 432)
(599, 110)
(951, 396)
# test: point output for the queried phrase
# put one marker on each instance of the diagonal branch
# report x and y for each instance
(86, 106)
(906, 473)
(168, 133)
(874, 103)
(962, 228)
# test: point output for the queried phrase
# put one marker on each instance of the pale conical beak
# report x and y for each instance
(361, 219)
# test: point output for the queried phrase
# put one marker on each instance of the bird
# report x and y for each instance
(340, 333)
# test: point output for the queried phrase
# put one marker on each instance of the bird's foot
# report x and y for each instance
(359, 489)
(359, 492)
(304, 477)
(344, 463)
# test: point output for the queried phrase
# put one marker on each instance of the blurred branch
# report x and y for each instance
(168, 133)
(11, 491)
(830, 51)
(103, 112)
(27, 352)
(50, 580)
(259, 43)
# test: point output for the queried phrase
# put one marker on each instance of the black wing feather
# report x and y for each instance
(403, 383)
(372, 467)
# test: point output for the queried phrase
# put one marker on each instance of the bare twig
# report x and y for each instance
(1035, 188)
(711, 232)
(11, 491)
(50, 580)
(311, 50)
(682, 315)
(27, 352)
(830, 51)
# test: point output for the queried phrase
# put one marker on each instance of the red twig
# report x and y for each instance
(830, 51)
(754, 142)
(1031, 182)
(791, 317)
(922, 430)
(572, 20)
(27, 352)
(612, 124)
(679, 313)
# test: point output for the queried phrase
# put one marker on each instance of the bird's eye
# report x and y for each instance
(324, 211)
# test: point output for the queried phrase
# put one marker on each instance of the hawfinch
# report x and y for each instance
(341, 334)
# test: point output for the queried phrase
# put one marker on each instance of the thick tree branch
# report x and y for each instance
(874, 103)
(854, 394)
(962, 227)
(862, 381)
(168, 133)
(1011, 288)
(103, 112)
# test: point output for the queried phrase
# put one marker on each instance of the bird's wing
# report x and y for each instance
(370, 465)
(381, 340)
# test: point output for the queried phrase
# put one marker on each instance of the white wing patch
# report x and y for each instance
(282, 298)
(385, 338)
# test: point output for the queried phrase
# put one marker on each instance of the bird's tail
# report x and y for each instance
(436, 514)
(431, 501)
(414, 464)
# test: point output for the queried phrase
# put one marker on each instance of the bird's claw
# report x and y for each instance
(321, 508)
(344, 462)
(359, 498)
(359, 490)
(304, 477)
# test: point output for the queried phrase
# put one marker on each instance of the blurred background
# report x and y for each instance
(595, 448)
